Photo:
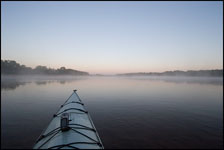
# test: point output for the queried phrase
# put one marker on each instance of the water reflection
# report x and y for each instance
(138, 112)
(11, 83)
(188, 80)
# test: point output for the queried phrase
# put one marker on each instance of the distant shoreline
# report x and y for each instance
(11, 67)
(196, 73)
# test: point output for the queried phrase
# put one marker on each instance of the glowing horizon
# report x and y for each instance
(114, 37)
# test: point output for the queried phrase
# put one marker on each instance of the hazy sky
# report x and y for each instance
(114, 37)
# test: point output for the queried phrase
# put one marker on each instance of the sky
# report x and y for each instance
(114, 37)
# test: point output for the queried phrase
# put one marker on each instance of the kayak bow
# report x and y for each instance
(71, 127)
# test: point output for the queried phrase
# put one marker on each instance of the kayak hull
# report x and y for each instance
(79, 132)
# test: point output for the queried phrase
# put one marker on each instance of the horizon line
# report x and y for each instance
(172, 70)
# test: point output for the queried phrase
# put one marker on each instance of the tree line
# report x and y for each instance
(207, 73)
(14, 68)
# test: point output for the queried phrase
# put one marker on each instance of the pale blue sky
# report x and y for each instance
(114, 37)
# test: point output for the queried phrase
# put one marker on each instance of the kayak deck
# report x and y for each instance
(81, 132)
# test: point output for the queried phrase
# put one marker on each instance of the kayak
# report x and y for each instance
(70, 128)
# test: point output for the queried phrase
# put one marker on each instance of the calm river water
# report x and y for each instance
(128, 112)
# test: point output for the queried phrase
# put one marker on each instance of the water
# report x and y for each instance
(128, 112)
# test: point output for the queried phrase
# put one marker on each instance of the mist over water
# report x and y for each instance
(128, 112)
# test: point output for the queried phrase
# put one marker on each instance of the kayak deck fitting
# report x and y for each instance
(70, 128)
